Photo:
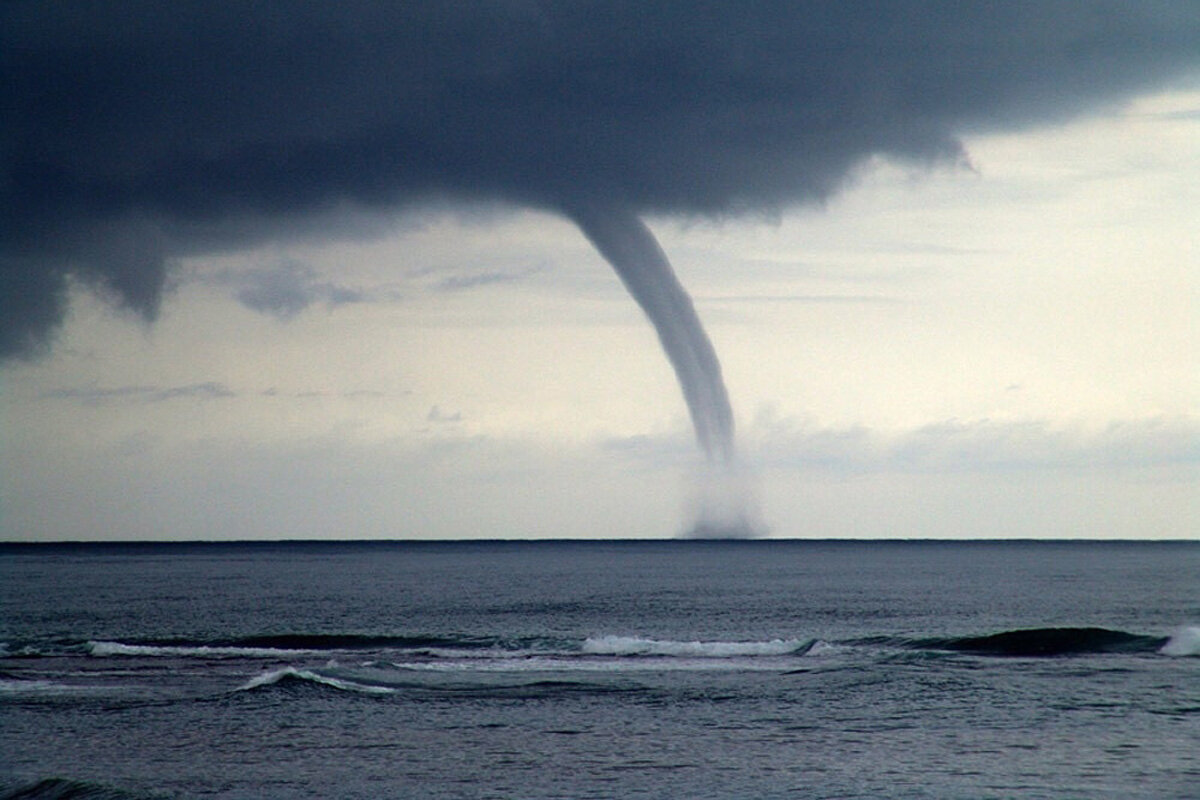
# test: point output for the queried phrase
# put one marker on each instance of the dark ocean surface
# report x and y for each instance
(679, 669)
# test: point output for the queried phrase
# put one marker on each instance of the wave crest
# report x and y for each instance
(103, 649)
(64, 789)
(289, 674)
(1184, 642)
(637, 646)
(1050, 642)
(276, 646)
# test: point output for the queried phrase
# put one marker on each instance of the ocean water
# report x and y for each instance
(671, 669)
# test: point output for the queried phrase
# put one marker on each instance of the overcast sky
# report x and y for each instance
(314, 276)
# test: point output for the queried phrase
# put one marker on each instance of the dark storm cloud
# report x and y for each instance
(136, 132)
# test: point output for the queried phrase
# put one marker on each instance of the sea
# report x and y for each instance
(601, 669)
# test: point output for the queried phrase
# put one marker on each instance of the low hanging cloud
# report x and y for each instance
(990, 446)
(474, 280)
(100, 395)
(286, 289)
(980, 446)
(138, 133)
(437, 415)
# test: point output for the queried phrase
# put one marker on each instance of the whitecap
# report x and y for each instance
(637, 646)
(104, 649)
(823, 648)
(1184, 642)
(41, 687)
(275, 676)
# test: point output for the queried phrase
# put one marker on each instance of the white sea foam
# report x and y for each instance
(277, 675)
(105, 649)
(823, 648)
(476, 654)
(40, 687)
(637, 646)
(594, 663)
(530, 664)
(1184, 642)
(23, 687)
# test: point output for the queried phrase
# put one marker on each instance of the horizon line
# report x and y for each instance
(4, 543)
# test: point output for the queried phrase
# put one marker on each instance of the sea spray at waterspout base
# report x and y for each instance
(723, 506)
(723, 501)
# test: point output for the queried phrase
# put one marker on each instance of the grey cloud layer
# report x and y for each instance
(975, 446)
(96, 395)
(138, 132)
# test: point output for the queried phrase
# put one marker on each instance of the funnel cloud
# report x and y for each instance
(723, 507)
(627, 244)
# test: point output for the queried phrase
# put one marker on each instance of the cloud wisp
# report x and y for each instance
(99, 395)
(286, 289)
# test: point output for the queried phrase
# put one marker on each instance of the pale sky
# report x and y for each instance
(1002, 344)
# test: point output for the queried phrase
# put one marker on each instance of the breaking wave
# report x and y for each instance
(295, 675)
(636, 646)
(109, 649)
(277, 646)
(1185, 642)
(339, 641)
(377, 682)
(597, 652)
